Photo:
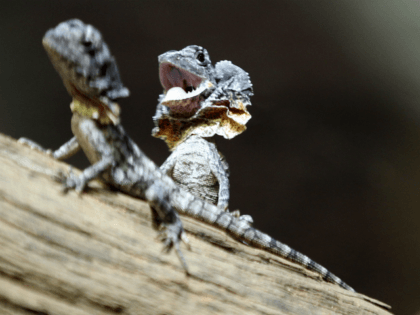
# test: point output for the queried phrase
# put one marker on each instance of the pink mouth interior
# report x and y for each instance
(171, 76)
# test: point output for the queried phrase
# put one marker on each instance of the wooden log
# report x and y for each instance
(96, 253)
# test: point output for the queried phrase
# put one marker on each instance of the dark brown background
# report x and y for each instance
(330, 163)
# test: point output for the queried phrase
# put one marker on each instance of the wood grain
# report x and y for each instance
(97, 254)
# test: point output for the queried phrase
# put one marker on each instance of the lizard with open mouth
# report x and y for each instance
(200, 101)
(90, 74)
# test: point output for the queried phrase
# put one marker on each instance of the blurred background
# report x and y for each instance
(330, 163)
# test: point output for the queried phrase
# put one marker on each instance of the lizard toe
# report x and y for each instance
(171, 236)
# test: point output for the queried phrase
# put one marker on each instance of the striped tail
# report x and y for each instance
(240, 229)
(264, 241)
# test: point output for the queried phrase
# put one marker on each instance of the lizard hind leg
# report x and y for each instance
(167, 221)
(166, 235)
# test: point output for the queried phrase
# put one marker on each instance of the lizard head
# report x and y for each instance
(84, 62)
(200, 98)
(186, 77)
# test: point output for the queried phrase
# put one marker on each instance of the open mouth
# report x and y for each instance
(183, 89)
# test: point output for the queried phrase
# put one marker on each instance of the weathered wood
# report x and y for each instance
(98, 254)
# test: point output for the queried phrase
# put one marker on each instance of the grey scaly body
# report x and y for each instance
(200, 101)
(196, 166)
(198, 98)
(90, 75)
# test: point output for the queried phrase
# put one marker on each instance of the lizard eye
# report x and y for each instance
(87, 43)
(200, 57)
(103, 70)
(89, 47)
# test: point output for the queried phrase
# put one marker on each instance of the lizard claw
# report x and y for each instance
(185, 239)
(170, 235)
(71, 181)
(35, 146)
(60, 178)
(245, 217)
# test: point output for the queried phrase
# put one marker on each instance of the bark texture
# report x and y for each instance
(96, 253)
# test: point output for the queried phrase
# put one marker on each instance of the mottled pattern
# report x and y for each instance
(196, 166)
(90, 75)
(195, 163)
(212, 93)
(241, 230)
(83, 60)
(120, 162)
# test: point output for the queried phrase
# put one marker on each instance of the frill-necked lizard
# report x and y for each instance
(90, 75)
(200, 101)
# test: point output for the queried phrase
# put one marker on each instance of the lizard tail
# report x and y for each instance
(264, 241)
(242, 231)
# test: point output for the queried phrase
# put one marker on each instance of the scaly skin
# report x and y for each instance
(196, 166)
(198, 98)
(90, 74)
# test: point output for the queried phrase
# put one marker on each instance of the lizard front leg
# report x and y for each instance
(89, 173)
(169, 164)
(220, 169)
(67, 150)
